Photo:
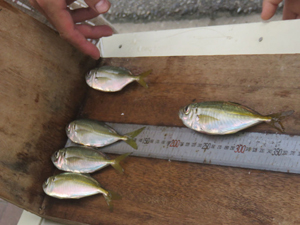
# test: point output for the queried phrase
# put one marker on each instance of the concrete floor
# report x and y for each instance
(9, 213)
(177, 24)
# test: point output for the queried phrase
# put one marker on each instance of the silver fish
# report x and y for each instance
(112, 79)
(221, 118)
(75, 186)
(84, 160)
(97, 134)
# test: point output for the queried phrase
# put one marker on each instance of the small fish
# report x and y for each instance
(226, 117)
(111, 79)
(75, 186)
(84, 160)
(97, 134)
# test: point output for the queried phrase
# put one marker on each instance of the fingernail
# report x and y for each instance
(102, 6)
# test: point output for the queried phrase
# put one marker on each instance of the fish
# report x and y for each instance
(112, 79)
(75, 186)
(84, 160)
(94, 133)
(221, 118)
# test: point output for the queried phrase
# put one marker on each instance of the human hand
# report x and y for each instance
(65, 21)
(291, 9)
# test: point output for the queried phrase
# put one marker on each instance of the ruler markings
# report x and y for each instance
(275, 152)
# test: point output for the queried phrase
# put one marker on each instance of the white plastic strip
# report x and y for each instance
(278, 37)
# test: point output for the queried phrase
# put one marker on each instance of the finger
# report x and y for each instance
(69, 2)
(100, 6)
(36, 6)
(289, 9)
(79, 41)
(94, 32)
(288, 14)
(62, 20)
(269, 8)
(83, 14)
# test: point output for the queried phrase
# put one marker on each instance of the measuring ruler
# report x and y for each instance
(274, 152)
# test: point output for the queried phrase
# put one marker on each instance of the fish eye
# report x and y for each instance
(56, 154)
(186, 109)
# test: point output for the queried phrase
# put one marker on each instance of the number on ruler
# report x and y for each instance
(277, 152)
(175, 143)
(146, 141)
(240, 149)
(206, 146)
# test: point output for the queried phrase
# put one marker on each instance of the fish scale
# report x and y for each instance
(273, 152)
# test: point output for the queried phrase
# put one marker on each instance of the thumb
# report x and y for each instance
(100, 6)
(269, 8)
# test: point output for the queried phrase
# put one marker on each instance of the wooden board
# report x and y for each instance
(41, 89)
(265, 83)
(162, 192)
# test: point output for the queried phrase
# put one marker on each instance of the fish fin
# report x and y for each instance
(140, 78)
(111, 196)
(131, 135)
(116, 162)
(276, 119)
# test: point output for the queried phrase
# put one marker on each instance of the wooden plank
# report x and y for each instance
(266, 83)
(162, 192)
(41, 89)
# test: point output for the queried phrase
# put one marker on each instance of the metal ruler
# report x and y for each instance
(274, 152)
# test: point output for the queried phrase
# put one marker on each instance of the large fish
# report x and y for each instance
(111, 79)
(97, 134)
(221, 118)
(75, 185)
(84, 160)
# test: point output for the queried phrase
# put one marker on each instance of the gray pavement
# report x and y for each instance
(144, 15)
(142, 11)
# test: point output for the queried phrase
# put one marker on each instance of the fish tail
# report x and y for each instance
(276, 119)
(132, 135)
(116, 162)
(140, 78)
(111, 196)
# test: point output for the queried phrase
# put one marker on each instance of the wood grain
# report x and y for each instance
(162, 192)
(42, 88)
(265, 83)
(40, 92)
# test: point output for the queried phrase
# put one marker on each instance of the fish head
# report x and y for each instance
(48, 185)
(90, 78)
(71, 129)
(187, 114)
(58, 158)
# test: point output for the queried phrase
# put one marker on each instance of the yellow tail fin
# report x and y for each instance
(116, 162)
(277, 118)
(141, 77)
(111, 196)
(131, 135)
